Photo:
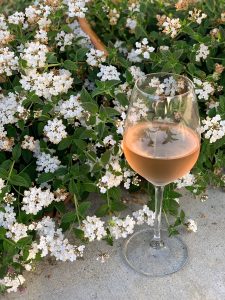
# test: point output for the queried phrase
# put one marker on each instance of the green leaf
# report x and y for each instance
(70, 65)
(79, 233)
(90, 107)
(105, 157)
(81, 54)
(85, 96)
(117, 205)
(19, 181)
(16, 152)
(24, 242)
(51, 58)
(65, 143)
(2, 232)
(102, 210)
(45, 177)
(3, 173)
(69, 217)
(72, 186)
(83, 207)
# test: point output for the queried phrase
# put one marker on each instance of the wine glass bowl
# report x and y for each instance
(161, 143)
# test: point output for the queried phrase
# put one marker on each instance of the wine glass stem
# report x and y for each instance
(156, 242)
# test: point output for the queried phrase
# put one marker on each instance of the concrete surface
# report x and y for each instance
(203, 278)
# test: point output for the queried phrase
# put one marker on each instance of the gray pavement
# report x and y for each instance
(203, 278)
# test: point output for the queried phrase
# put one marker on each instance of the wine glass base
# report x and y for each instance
(155, 262)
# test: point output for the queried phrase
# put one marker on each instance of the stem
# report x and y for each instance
(76, 207)
(10, 171)
(156, 241)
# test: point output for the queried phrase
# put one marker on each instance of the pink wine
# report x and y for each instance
(161, 152)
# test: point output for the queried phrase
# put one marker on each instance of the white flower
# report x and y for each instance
(55, 131)
(7, 217)
(133, 56)
(8, 61)
(108, 73)
(186, 180)
(138, 111)
(12, 282)
(47, 84)
(33, 251)
(191, 225)
(164, 48)
(31, 144)
(71, 108)
(108, 140)
(52, 242)
(121, 228)
(129, 177)
(120, 45)
(131, 23)
(213, 128)
(2, 184)
(95, 57)
(35, 54)
(16, 18)
(171, 26)
(17, 231)
(197, 15)
(113, 16)
(47, 163)
(136, 72)
(8, 108)
(134, 5)
(203, 89)
(93, 228)
(202, 52)
(42, 36)
(144, 215)
(64, 39)
(35, 199)
(144, 49)
(82, 38)
(76, 8)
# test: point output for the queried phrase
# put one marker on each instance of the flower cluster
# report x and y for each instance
(52, 242)
(213, 128)
(93, 228)
(95, 57)
(64, 39)
(34, 54)
(55, 131)
(203, 89)
(47, 163)
(144, 215)
(113, 16)
(169, 86)
(186, 180)
(170, 26)
(108, 73)
(47, 84)
(35, 199)
(196, 15)
(8, 61)
(144, 49)
(121, 228)
(202, 52)
(76, 8)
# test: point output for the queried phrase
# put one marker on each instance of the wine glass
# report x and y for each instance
(161, 143)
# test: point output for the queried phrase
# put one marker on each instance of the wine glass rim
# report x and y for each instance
(165, 73)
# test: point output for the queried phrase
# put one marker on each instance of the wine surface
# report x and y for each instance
(161, 152)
